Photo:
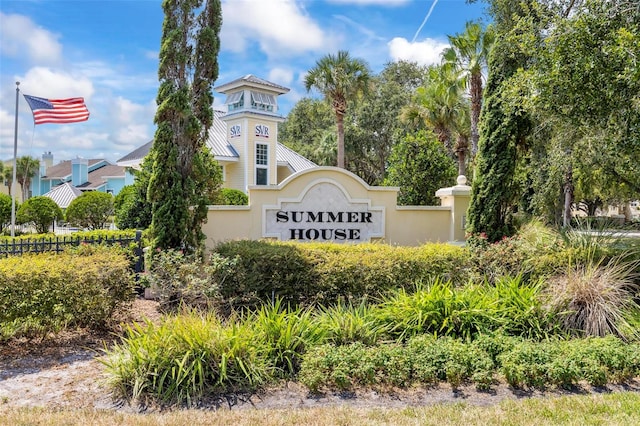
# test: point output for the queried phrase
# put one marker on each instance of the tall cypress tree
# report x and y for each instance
(504, 123)
(188, 68)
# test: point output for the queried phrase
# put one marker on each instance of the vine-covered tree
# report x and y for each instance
(340, 79)
(505, 125)
(180, 185)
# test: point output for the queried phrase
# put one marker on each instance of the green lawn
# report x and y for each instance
(601, 409)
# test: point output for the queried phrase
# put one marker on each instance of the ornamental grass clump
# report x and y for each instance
(286, 333)
(437, 308)
(595, 298)
(346, 323)
(186, 358)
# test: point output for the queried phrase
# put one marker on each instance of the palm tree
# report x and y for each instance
(441, 106)
(339, 78)
(468, 53)
(26, 168)
(7, 175)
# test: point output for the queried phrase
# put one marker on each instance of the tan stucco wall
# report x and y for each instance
(403, 225)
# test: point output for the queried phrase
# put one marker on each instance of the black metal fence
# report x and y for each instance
(57, 244)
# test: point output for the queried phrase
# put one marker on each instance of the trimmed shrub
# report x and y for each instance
(47, 292)
(40, 211)
(90, 210)
(188, 280)
(423, 360)
(322, 273)
(565, 363)
(232, 197)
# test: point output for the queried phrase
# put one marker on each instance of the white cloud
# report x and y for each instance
(249, 21)
(281, 76)
(424, 52)
(21, 37)
(47, 83)
(130, 124)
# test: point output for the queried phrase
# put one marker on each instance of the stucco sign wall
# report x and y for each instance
(331, 204)
(324, 212)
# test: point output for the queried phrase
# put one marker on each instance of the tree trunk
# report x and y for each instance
(340, 125)
(461, 162)
(568, 197)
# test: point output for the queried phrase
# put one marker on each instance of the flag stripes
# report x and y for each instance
(57, 111)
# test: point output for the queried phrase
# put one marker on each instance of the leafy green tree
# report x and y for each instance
(26, 168)
(306, 128)
(188, 68)
(441, 107)
(468, 53)
(373, 128)
(131, 205)
(419, 165)
(5, 211)
(340, 79)
(90, 210)
(587, 80)
(40, 211)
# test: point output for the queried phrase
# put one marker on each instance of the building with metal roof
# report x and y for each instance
(244, 139)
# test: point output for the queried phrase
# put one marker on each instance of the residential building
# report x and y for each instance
(244, 139)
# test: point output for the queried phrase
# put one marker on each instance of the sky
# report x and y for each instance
(107, 52)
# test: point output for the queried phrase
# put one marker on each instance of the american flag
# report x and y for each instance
(59, 111)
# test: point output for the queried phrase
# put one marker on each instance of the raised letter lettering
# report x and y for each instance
(282, 216)
(312, 234)
(297, 216)
(314, 217)
(296, 234)
(354, 234)
(334, 217)
(341, 234)
(365, 217)
(352, 217)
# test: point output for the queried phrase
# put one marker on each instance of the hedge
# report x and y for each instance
(44, 293)
(322, 273)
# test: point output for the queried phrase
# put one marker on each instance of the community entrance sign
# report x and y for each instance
(331, 204)
(324, 212)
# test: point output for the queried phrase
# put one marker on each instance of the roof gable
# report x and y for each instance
(251, 80)
(63, 194)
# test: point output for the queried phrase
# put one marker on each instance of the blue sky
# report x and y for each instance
(107, 52)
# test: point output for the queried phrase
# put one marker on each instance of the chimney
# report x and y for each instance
(45, 163)
(79, 171)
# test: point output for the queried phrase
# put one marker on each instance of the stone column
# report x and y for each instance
(458, 198)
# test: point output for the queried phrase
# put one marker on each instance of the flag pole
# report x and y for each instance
(15, 165)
